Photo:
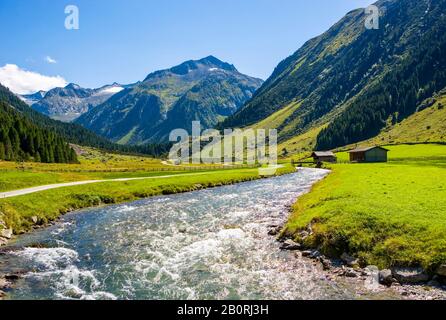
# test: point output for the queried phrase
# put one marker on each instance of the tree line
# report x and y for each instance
(21, 140)
(77, 134)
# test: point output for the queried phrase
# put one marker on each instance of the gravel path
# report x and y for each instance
(16, 193)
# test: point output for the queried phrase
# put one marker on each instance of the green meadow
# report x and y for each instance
(388, 214)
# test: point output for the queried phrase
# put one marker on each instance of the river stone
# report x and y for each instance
(350, 273)
(3, 241)
(386, 277)
(349, 260)
(326, 264)
(434, 283)
(410, 275)
(441, 271)
(290, 245)
(307, 253)
(13, 277)
(3, 283)
(274, 231)
(6, 233)
(34, 219)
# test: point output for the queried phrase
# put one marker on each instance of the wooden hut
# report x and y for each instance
(324, 156)
(370, 154)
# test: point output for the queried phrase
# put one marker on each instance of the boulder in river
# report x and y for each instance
(326, 264)
(290, 245)
(3, 283)
(350, 273)
(307, 253)
(441, 271)
(410, 275)
(6, 233)
(3, 241)
(12, 277)
(386, 277)
(349, 260)
(274, 231)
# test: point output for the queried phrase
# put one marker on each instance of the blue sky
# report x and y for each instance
(123, 41)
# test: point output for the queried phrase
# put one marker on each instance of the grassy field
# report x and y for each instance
(391, 214)
(94, 165)
(19, 212)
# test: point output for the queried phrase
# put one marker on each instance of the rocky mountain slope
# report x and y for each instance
(207, 90)
(30, 99)
(66, 104)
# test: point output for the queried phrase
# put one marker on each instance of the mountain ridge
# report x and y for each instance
(335, 81)
(69, 102)
(208, 89)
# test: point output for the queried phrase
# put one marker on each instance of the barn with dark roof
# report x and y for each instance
(370, 154)
(324, 156)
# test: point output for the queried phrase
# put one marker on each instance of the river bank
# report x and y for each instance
(388, 215)
(406, 283)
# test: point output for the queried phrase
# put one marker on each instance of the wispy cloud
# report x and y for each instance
(21, 81)
(50, 60)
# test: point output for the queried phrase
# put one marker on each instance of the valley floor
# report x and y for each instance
(389, 214)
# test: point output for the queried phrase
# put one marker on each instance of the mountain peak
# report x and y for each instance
(209, 62)
(217, 63)
(73, 86)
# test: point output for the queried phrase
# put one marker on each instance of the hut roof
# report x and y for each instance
(365, 149)
(323, 154)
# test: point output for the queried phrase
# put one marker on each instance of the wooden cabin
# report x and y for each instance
(370, 154)
(324, 156)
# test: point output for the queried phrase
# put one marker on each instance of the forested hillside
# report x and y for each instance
(347, 84)
(75, 133)
(21, 140)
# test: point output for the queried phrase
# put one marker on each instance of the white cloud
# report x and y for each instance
(50, 60)
(25, 82)
(112, 90)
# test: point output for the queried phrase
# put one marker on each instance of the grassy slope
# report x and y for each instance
(278, 118)
(48, 205)
(297, 144)
(385, 214)
(428, 125)
(302, 143)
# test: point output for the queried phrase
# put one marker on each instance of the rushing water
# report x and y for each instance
(210, 244)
